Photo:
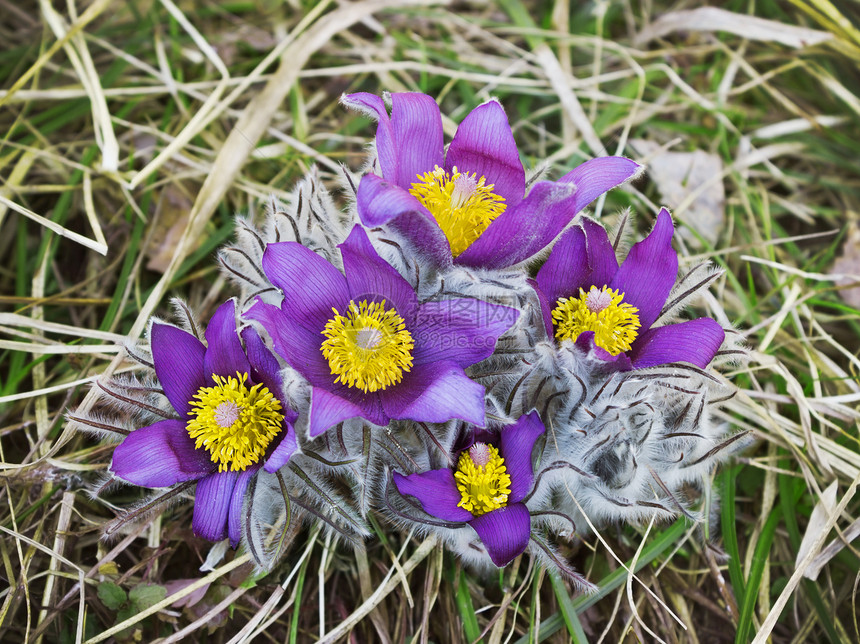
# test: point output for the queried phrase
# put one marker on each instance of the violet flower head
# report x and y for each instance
(468, 205)
(485, 488)
(587, 298)
(232, 421)
(366, 345)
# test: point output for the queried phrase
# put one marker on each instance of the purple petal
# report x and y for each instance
(382, 203)
(386, 147)
(417, 126)
(371, 278)
(178, 358)
(435, 392)
(484, 145)
(160, 455)
(224, 355)
(237, 500)
(281, 455)
(212, 505)
(516, 448)
(265, 367)
(693, 341)
(504, 532)
(585, 342)
(437, 492)
(328, 409)
(545, 308)
(597, 176)
(295, 343)
(648, 273)
(566, 269)
(463, 331)
(410, 142)
(311, 285)
(521, 231)
(601, 256)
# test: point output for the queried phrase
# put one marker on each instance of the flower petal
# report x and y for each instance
(160, 455)
(545, 308)
(585, 342)
(237, 500)
(693, 341)
(648, 273)
(265, 367)
(178, 358)
(328, 409)
(281, 455)
(516, 448)
(601, 255)
(521, 231)
(295, 343)
(435, 392)
(566, 269)
(484, 145)
(311, 285)
(410, 141)
(371, 278)
(224, 355)
(463, 331)
(212, 504)
(417, 126)
(504, 532)
(597, 176)
(381, 203)
(437, 492)
(386, 146)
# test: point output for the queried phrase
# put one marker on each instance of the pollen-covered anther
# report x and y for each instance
(615, 323)
(462, 204)
(482, 479)
(369, 347)
(235, 423)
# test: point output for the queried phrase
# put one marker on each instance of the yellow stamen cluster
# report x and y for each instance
(233, 422)
(482, 479)
(614, 322)
(462, 204)
(369, 347)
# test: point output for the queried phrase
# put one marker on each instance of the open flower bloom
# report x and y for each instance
(485, 489)
(468, 205)
(586, 297)
(232, 421)
(366, 345)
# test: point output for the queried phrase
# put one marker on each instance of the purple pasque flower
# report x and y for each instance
(586, 297)
(232, 421)
(468, 205)
(366, 345)
(485, 488)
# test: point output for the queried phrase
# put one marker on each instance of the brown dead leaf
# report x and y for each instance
(175, 207)
(677, 175)
(847, 265)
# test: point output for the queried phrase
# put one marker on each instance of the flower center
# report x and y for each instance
(233, 422)
(602, 310)
(482, 479)
(369, 347)
(462, 204)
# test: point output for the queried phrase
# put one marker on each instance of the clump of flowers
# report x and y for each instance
(421, 357)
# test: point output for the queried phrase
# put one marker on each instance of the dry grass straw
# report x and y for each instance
(143, 130)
